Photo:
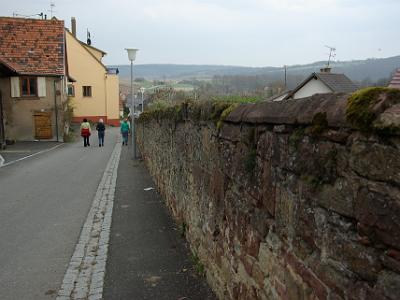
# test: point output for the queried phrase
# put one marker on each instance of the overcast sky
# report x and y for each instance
(229, 32)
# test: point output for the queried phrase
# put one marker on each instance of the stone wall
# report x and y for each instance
(284, 201)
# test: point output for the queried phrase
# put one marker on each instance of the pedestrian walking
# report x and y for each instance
(125, 129)
(86, 131)
(101, 128)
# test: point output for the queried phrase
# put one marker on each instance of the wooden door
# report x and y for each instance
(43, 126)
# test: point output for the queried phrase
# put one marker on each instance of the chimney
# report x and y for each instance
(326, 70)
(73, 26)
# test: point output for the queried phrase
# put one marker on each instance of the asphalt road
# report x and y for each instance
(44, 201)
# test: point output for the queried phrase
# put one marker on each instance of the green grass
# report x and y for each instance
(198, 266)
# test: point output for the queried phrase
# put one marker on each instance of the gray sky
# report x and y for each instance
(229, 32)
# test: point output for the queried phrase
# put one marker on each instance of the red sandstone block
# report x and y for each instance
(320, 290)
(280, 289)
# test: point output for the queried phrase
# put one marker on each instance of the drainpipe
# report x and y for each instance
(3, 134)
(105, 96)
(55, 108)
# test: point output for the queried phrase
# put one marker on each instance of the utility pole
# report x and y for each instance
(285, 67)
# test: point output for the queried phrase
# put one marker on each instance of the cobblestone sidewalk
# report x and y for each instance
(84, 277)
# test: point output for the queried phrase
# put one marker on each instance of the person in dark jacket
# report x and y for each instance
(100, 131)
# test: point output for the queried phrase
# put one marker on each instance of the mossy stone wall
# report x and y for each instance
(287, 201)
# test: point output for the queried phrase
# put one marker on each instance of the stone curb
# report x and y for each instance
(84, 277)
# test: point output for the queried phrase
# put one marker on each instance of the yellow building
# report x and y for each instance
(95, 92)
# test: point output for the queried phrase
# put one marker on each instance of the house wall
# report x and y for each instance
(88, 71)
(314, 86)
(18, 112)
(112, 85)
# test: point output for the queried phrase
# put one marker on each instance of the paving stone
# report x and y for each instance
(87, 264)
(95, 297)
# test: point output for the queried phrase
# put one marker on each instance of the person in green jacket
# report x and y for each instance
(125, 129)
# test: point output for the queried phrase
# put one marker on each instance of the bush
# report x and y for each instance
(361, 112)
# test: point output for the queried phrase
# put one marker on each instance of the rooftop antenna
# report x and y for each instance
(52, 5)
(28, 16)
(88, 41)
(332, 54)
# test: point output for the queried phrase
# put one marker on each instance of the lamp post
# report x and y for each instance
(132, 57)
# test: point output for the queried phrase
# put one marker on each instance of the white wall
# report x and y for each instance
(314, 86)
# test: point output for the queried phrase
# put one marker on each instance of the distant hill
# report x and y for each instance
(357, 70)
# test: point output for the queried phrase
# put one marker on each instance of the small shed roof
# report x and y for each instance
(31, 46)
(338, 83)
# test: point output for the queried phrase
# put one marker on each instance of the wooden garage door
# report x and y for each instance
(43, 126)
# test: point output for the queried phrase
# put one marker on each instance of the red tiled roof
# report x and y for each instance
(32, 47)
(395, 83)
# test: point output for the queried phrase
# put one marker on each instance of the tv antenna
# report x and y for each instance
(332, 53)
(52, 11)
(88, 40)
(29, 16)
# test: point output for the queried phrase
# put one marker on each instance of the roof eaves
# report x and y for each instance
(94, 48)
(41, 74)
(8, 66)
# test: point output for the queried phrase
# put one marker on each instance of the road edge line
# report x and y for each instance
(29, 156)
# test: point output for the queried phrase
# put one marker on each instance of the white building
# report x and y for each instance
(319, 83)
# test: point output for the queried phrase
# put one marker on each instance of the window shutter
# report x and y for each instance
(41, 82)
(15, 91)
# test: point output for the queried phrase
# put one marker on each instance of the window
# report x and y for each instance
(71, 90)
(87, 91)
(28, 86)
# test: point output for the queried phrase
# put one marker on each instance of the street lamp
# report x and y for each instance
(142, 89)
(132, 57)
